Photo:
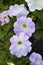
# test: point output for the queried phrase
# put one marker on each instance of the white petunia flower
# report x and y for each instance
(35, 4)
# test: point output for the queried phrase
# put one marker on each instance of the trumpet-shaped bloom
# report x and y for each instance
(35, 4)
(17, 10)
(4, 17)
(36, 59)
(20, 45)
(25, 25)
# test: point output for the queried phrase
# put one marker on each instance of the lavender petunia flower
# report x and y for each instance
(4, 17)
(36, 59)
(17, 10)
(25, 25)
(20, 45)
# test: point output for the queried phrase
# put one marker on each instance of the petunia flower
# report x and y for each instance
(35, 4)
(36, 59)
(20, 45)
(25, 25)
(17, 10)
(4, 17)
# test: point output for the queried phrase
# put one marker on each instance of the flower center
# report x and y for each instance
(19, 42)
(24, 25)
(37, 60)
(4, 17)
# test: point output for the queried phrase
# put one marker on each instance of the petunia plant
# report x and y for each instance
(21, 27)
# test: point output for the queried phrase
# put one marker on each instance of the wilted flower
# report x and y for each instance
(17, 10)
(4, 17)
(35, 4)
(36, 59)
(25, 25)
(20, 45)
(10, 63)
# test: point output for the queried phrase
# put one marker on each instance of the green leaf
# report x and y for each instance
(1, 35)
(38, 35)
